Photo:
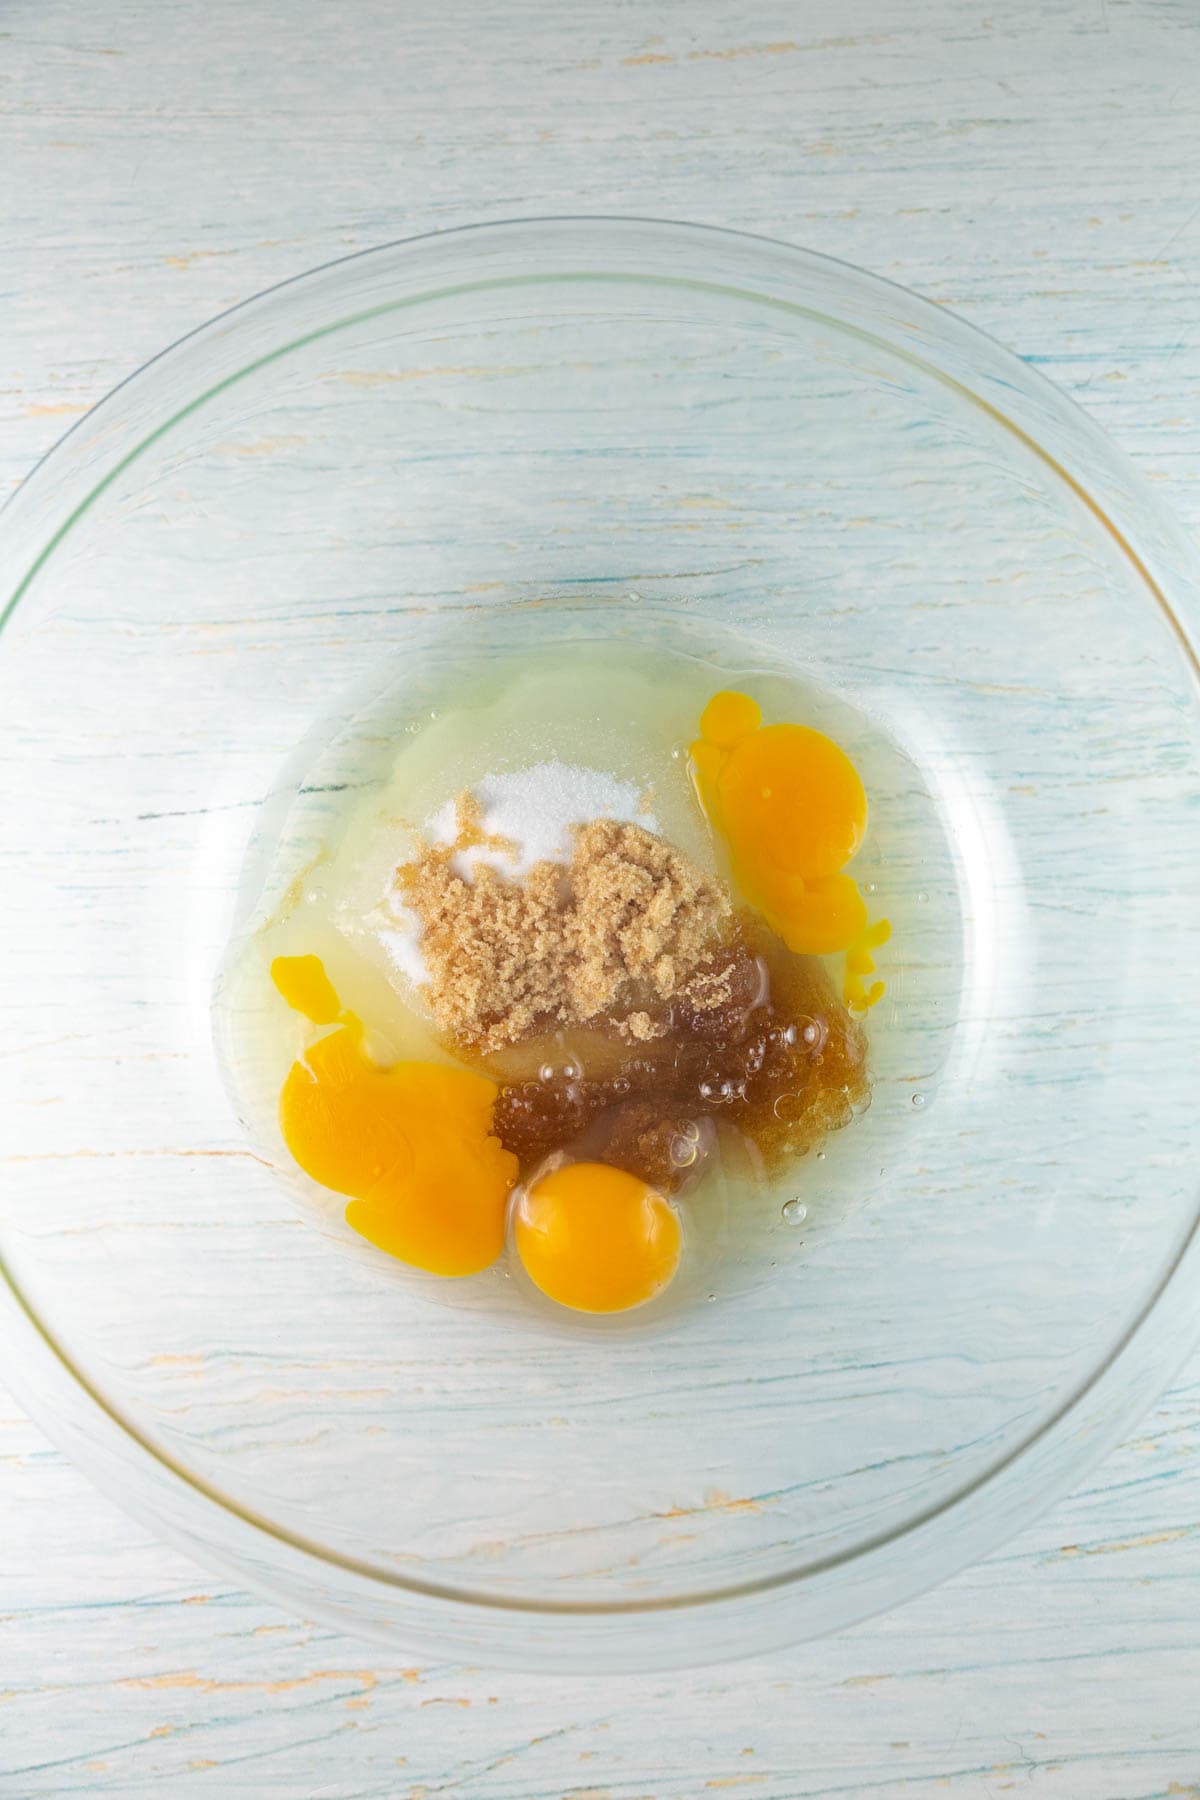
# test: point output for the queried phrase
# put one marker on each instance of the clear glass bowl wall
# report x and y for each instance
(661, 434)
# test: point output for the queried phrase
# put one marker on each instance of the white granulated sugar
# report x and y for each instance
(535, 810)
(403, 945)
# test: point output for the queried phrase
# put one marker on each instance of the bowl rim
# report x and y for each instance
(1089, 1412)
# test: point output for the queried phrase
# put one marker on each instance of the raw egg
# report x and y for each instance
(792, 809)
(307, 988)
(596, 1239)
(411, 1145)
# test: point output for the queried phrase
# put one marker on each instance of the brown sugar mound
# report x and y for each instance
(620, 931)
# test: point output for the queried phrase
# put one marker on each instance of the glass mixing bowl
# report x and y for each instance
(654, 433)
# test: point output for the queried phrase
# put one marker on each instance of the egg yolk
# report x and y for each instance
(411, 1145)
(792, 810)
(307, 988)
(858, 991)
(596, 1239)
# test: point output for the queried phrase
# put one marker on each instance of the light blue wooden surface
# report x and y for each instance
(1032, 166)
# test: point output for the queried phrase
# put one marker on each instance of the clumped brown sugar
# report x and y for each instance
(620, 930)
(702, 1022)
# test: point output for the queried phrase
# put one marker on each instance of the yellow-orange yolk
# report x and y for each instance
(860, 963)
(596, 1239)
(792, 809)
(411, 1145)
(307, 988)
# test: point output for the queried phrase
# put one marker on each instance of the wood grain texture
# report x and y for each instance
(1031, 166)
